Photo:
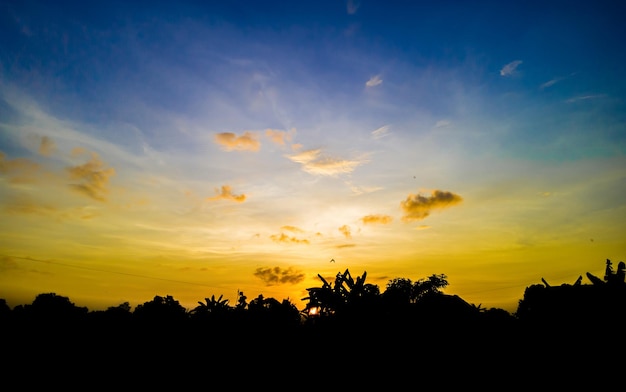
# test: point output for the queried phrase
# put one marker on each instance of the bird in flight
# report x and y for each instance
(332, 260)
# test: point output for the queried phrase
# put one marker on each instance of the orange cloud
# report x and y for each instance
(292, 229)
(20, 170)
(287, 239)
(276, 275)
(93, 176)
(226, 193)
(46, 146)
(345, 230)
(312, 163)
(418, 207)
(279, 137)
(376, 219)
(229, 141)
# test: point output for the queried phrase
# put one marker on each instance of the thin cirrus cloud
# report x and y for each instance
(510, 68)
(418, 207)
(92, 176)
(272, 276)
(312, 162)
(226, 193)
(380, 132)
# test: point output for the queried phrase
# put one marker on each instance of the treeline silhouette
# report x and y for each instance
(410, 325)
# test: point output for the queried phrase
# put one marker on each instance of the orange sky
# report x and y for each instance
(206, 150)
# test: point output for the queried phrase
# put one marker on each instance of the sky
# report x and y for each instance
(195, 149)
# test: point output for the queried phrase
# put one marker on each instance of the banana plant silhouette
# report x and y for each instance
(344, 293)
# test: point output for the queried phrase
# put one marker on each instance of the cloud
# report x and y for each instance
(380, 132)
(343, 246)
(229, 141)
(313, 163)
(293, 229)
(550, 83)
(442, 124)
(585, 98)
(555, 80)
(276, 276)
(226, 193)
(345, 230)
(376, 219)
(418, 207)
(510, 68)
(352, 6)
(46, 146)
(93, 176)
(19, 170)
(374, 81)
(280, 137)
(284, 238)
(24, 205)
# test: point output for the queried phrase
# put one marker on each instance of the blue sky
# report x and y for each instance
(207, 147)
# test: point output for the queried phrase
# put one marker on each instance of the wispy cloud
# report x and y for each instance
(313, 163)
(93, 176)
(230, 141)
(374, 81)
(418, 207)
(552, 82)
(46, 146)
(510, 68)
(380, 132)
(585, 98)
(226, 193)
(280, 137)
(19, 170)
(272, 276)
(376, 219)
(352, 6)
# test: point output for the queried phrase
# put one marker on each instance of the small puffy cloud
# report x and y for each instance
(19, 170)
(418, 207)
(284, 238)
(46, 146)
(279, 137)
(92, 176)
(380, 132)
(313, 163)
(230, 141)
(442, 124)
(376, 219)
(272, 276)
(374, 81)
(510, 68)
(226, 193)
(293, 229)
(345, 230)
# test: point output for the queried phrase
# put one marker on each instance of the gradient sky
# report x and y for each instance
(192, 149)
